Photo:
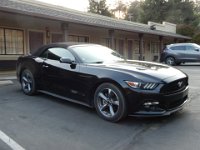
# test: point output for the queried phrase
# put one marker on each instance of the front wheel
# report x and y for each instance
(28, 82)
(110, 103)
(170, 61)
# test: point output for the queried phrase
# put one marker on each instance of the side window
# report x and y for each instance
(189, 48)
(176, 48)
(56, 53)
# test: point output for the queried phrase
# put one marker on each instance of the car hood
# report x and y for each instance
(146, 69)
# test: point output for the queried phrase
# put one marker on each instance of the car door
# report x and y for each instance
(179, 51)
(192, 53)
(60, 78)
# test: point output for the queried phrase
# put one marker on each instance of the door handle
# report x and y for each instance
(45, 66)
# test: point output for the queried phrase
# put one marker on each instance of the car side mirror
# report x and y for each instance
(197, 49)
(68, 61)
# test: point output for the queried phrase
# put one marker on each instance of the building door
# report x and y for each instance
(155, 51)
(36, 39)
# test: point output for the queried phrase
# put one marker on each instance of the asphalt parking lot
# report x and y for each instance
(43, 122)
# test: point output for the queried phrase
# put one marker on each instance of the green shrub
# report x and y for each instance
(196, 38)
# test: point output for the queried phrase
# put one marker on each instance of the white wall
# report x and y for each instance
(165, 26)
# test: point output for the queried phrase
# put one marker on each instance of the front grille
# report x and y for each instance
(172, 104)
(175, 86)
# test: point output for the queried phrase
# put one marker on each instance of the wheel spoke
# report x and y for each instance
(104, 107)
(108, 102)
(29, 87)
(115, 103)
(109, 93)
(29, 81)
(25, 79)
(111, 110)
(103, 96)
(26, 82)
(23, 85)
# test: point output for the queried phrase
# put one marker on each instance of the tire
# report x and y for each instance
(170, 61)
(28, 82)
(110, 103)
(178, 63)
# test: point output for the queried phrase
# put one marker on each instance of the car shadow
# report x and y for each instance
(91, 113)
(190, 64)
(128, 121)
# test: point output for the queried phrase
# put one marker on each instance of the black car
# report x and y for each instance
(96, 76)
(175, 54)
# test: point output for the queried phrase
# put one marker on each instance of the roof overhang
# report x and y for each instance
(42, 10)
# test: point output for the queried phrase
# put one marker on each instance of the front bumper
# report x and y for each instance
(161, 105)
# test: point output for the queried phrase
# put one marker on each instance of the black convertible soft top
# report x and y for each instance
(60, 44)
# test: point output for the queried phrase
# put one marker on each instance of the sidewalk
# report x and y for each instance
(6, 77)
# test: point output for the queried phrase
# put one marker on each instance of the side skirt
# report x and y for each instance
(64, 98)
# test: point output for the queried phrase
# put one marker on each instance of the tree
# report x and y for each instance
(196, 22)
(120, 9)
(134, 12)
(187, 30)
(196, 38)
(180, 12)
(184, 13)
(99, 7)
(154, 10)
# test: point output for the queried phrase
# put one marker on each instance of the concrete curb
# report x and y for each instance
(7, 75)
(8, 78)
(6, 82)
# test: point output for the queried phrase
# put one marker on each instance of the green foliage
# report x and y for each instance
(134, 12)
(174, 11)
(99, 7)
(186, 30)
(196, 38)
(197, 15)
(180, 12)
(184, 13)
(154, 10)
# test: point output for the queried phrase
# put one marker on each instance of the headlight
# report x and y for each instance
(144, 86)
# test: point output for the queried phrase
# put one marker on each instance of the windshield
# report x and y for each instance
(96, 54)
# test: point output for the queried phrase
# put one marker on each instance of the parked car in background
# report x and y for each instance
(96, 76)
(175, 54)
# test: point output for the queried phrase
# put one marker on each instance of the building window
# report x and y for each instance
(75, 38)
(115, 44)
(136, 47)
(121, 47)
(56, 37)
(2, 41)
(130, 49)
(108, 42)
(11, 41)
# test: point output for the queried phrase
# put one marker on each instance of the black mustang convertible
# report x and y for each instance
(96, 76)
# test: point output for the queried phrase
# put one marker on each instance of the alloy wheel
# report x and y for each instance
(108, 102)
(27, 82)
(170, 61)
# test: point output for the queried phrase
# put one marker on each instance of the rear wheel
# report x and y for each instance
(170, 61)
(28, 82)
(110, 103)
